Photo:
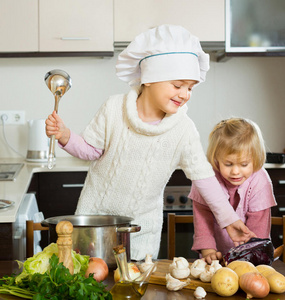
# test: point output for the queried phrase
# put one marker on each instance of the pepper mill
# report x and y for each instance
(64, 230)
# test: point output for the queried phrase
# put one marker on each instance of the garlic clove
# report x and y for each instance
(173, 284)
(197, 267)
(199, 293)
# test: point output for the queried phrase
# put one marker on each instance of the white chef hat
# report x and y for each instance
(167, 52)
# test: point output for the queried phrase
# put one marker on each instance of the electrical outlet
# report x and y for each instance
(12, 117)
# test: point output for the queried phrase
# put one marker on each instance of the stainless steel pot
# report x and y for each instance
(96, 235)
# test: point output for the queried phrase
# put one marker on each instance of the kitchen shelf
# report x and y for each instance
(56, 54)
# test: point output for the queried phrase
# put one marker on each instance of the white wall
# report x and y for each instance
(247, 87)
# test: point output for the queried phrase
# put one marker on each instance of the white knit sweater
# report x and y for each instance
(138, 160)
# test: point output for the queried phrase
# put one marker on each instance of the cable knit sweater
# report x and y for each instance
(138, 160)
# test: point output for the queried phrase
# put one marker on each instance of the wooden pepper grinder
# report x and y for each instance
(64, 243)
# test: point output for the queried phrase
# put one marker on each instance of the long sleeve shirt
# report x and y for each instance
(251, 200)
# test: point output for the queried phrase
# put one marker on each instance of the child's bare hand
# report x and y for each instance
(239, 233)
(213, 256)
(55, 126)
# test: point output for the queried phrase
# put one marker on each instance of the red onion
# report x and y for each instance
(254, 284)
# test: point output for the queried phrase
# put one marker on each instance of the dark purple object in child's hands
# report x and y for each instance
(257, 251)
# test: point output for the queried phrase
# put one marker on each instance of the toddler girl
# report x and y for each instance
(137, 140)
(237, 153)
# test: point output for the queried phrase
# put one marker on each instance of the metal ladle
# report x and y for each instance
(59, 82)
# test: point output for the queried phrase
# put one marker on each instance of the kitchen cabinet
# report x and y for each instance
(278, 181)
(203, 18)
(57, 193)
(78, 25)
(18, 26)
(48, 28)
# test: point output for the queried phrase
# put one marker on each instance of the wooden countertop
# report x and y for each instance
(154, 291)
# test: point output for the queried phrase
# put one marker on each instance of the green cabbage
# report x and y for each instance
(39, 263)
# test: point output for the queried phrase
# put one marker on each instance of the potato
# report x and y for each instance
(241, 267)
(265, 270)
(277, 282)
(225, 282)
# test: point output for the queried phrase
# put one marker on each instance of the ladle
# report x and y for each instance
(59, 82)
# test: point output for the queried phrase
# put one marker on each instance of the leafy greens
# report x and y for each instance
(56, 283)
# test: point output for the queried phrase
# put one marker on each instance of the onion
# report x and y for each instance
(98, 267)
(254, 284)
(134, 272)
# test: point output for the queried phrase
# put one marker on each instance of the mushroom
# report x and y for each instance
(216, 265)
(173, 284)
(197, 267)
(199, 293)
(179, 268)
(207, 274)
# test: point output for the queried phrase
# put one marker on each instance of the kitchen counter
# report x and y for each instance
(15, 190)
(155, 291)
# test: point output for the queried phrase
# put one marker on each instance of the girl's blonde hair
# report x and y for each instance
(236, 136)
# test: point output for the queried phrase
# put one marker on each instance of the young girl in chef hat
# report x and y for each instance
(237, 153)
(136, 141)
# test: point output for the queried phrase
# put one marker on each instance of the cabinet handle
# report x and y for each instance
(75, 38)
(281, 181)
(72, 185)
(281, 208)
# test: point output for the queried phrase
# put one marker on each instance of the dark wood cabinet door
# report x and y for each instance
(278, 181)
(59, 192)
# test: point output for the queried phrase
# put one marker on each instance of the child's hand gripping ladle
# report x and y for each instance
(59, 82)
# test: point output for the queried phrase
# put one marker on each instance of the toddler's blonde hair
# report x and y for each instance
(236, 136)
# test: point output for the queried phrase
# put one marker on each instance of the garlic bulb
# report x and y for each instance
(173, 284)
(197, 267)
(179, 268)
(199, 293)
(147, 264)
(207, 274)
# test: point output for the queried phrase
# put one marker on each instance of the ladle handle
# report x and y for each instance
(50, 164)
(51, 155)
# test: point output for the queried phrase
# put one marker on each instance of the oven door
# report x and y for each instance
(176, 201)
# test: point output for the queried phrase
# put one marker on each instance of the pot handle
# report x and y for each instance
(131, 228)
(44, 223)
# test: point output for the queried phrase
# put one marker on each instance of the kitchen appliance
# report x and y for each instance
(28, 210)
(275, 158)
(59, 82)
(96, 235)
(9, 172)
(38, 141)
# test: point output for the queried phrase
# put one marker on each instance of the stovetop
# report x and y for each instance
(9, 172)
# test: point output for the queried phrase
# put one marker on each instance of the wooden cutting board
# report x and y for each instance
(158, 277)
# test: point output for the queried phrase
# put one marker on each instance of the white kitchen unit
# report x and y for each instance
(56, 26)
(203, 18)
(78, 25)
(18, 26)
